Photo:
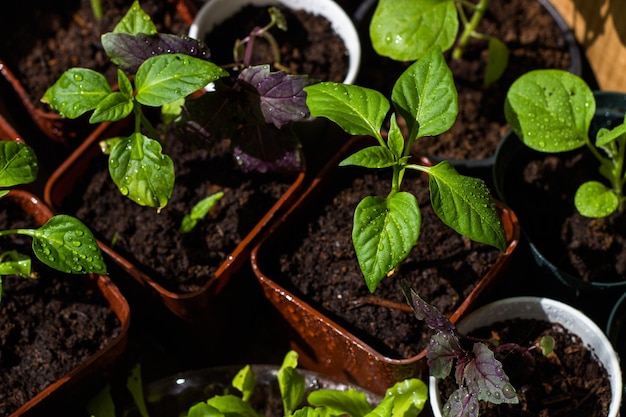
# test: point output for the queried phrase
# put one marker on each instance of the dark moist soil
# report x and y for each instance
(534, 42)
(541, 188)
(309, 46)
(41, 39)
(317, 260)
(179, 262)
(569, 382)
(48, 325)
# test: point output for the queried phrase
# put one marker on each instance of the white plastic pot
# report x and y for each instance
(214, 12)
(553, 311)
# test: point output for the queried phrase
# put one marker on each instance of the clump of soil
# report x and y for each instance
(569, 382)
(180, 262)
(48, 325)
(318, 262)
(534, 42)
(39, 39)
(309, 46)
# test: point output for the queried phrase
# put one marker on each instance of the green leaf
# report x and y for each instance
(312, 412)
(550, 110)
(141, 171)
(383, 409)
(371, 157)
(350, 402)
(497, 61)
(107, 145)
(15, 263)
(384, 232)
(66, 244)
(606, 136)
(76, 92)
(199, 211)
(171, 111)
(594, 199)
(166, 78)
(203, 410)
(395, 140)
(135, 387)
(405, 30)
(116, 106)
(292, 388)
(232, 406)
(409, 397)
(245, 382)
(135, 21)
(465, 204)
(426, 97)
(124, 83)
(102, 404)
(18, 163)
(357, 110)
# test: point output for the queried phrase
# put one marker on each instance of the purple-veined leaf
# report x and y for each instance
(427, 312)
(441, 352)
(485, 377)
(282, 96)
(130, 51)
(461, 404)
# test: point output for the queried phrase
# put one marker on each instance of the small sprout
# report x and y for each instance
(546, 344)
(199, 211)
(551, 111)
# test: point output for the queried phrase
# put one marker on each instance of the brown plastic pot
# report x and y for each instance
(326, 346)
(193, 307)
(73, 384)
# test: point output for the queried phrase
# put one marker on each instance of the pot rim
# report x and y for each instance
(215, 11)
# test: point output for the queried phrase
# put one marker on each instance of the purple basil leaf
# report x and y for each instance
(265, 148)
(130, 51)
(427, 312)
(485, 377)
(441, 352)
(282, 96)
(461, 404)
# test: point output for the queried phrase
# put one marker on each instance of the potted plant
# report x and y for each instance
(42, 40)
(322, 314)
(573, 171)
(512, 356)
(255, 390)
(56, 332)
(480, 38)
(240, 129)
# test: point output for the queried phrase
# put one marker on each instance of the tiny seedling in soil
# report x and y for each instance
(63, 242)
(165, 69)
(387, 228)
(405, 30)
(551, 111)
(199, 211)
(478, 373)
(405, 399)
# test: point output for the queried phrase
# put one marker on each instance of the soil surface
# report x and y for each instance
(40, 39)
(48, 325)
(308, 46)
(540, 188)
(569, 382)
(180, 262)
(317, 261)
(534, 42)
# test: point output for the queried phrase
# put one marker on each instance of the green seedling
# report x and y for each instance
(386, 228)
(63, 243)
(165, 69)
(199, 211)
(551, 111)
(405, 30)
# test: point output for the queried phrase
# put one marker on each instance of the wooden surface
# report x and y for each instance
(601, 30)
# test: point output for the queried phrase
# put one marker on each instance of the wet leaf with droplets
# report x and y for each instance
(594, 199)
(66, 244)
(18, 163)
(135, 21)
(485, 378)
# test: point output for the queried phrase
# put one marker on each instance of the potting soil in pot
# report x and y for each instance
(319, 263)
(41, 39)
(180, 262)
(569, 382)
(534, 41)
(48, 325)
(309, 46)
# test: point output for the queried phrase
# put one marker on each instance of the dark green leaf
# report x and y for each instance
(371, 157)
(116, 106)
(498, 60)
(18, 163)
